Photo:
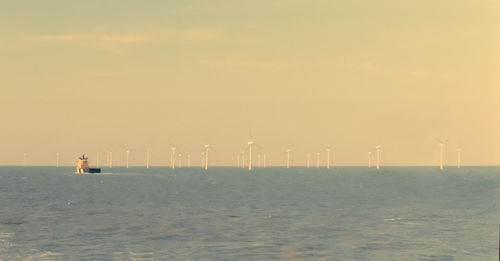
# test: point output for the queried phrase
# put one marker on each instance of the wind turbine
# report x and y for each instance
(189, 160)
(147, 157)
(207, 148)
(258, 160)
(317, 159)
(265, 156)
(57, 160)
(378, 156)
(24, 159)
(172, 157)
(238, 160)
(250, 145)
(243, 159)
(369, 159)
(127, 153)
(308, 159)
(180, 160)
(202, 160)
(459, 152)
(110, 159)
(328, 149)
(441, 145)
(288, 158)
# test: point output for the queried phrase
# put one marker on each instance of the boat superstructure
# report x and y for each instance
(83, 166)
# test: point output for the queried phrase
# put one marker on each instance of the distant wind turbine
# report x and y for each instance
(288, 158)
(378, 156)
(127, 153)
(265, 160)
(308, 159)
(24, 159)
(97, 160)
(202, 160)
(459, 152)
(369, 159)
(110, 159)
(180, 160)
(172, 157)
(57, 160)
(250, 145)
(147, 158)
(258, 160)
(243, 159)
(189, 160)
(328, 149)
(441, 145)
(238, 160)
(207, 148)
(317, 159)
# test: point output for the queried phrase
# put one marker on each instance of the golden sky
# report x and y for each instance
(93, 76)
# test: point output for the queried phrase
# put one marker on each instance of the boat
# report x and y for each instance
(83, 166)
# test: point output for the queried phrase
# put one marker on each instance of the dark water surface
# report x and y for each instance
(344, 213)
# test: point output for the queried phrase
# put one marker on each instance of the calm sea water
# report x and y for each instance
(344, 213)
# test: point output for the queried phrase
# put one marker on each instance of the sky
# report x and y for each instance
(97, 76)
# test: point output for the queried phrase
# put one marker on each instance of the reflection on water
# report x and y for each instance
(344, 213)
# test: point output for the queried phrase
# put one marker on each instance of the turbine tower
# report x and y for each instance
(243, 159)
(441, 145)
(97, 160)
(189, 160)
(288, 158)
(147, 158)
(24, 159)
(308, 159)
(369, 159)
(180, 160)
(172, 157)
(110, 159)
(317, 159)
(202, 160)
(57, 160)
(378, 156)
(127, 153)
(238, 160)
(459, 152)
(250, 145)
(265, 160)
(258, 160)
(207, 148)
(328, 157)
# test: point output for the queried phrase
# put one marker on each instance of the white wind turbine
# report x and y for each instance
(207, 148)
(202, 160)
(180, 160)
(317, 159)
(57, 160)
(189, 160)
(127, 153)
(308, 159)
(97, 160)
(24, 159)
(288, 158)
(378, 156)
(369, 159)
(172, 156)
(243, 159)
(441, 145)
(250, 145)
(265, 157)
(459, 152)
(147, 157)
(328, 150)
(238, 160)
(258, 160)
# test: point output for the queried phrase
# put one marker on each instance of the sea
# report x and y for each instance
(229, 213)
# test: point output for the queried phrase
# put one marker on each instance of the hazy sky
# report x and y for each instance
(88, 76)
